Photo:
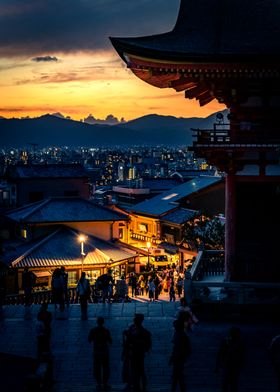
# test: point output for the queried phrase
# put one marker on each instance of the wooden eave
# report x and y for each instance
(197, 79)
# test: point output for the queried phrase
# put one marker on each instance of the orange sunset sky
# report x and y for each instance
(55, 56)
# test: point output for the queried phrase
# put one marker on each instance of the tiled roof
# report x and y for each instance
(214, 30)
(64, 210)
(47, 171)
(179, 216)
(62, 248)
(160, 184)
(167, 201)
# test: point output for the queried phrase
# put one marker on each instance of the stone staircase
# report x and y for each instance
(72, 354)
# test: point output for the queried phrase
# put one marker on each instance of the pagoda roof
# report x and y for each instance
(212, 31)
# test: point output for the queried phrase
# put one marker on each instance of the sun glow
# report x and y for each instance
(83, 83)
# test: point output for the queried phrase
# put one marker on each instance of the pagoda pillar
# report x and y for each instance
(230, 229)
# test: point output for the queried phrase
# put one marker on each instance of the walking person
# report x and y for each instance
(28, 281)
(142, 284)
(137, 341)
(179, 285)
(64, 275)
(157, 285)
(83, 292)
(180, 352)
(106, 281)
(43, 329)
(172, 296)
(151, 289)
(183, 307)
(133, 283)
(230, 359)
(101, 339)
(57, 286)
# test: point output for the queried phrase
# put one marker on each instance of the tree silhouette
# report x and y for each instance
(204, 232)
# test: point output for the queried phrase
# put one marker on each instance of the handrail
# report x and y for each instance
(207, 264)
(196, 266)
(235, 292)
(225, 135)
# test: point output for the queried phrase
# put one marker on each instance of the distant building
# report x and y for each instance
(121, 171)
(132, 173)
(31, 183)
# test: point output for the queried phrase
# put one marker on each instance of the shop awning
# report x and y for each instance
(42, 274)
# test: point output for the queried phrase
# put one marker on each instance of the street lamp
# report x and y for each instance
(82, 240)
(148, 247)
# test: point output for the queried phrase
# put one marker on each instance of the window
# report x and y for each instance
(23, 233)
(92, 275)
(170, 238)
(143, 227)
(72, 278)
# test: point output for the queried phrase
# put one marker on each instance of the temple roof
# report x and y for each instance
(212, 31)
(64, 209)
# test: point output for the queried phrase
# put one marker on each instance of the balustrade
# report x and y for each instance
(222, 134)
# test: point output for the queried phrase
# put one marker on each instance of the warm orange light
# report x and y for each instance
(81, 238)
(70, 86)
(148, 245)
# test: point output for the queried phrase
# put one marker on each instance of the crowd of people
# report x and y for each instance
(152, 284)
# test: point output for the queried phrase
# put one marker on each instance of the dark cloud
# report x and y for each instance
(40, 59)
(37, 27)
(81, 74)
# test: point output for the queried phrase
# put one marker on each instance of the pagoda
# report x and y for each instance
(229, 50)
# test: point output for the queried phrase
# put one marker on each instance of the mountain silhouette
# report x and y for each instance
(49, 130)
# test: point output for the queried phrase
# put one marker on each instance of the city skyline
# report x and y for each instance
(56, 57)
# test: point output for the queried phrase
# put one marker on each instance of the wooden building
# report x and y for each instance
(45, 235)
(161, 219)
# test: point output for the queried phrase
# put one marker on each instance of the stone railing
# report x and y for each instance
(205, 283)
(235, 292)
(244, 133)
(208, 263)
(38, 297)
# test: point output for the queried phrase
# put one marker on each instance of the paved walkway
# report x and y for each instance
(73, 354)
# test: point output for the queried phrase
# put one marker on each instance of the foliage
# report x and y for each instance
(204, 232)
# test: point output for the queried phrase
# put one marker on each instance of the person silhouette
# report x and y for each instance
(101, 339)
(137, 341)
(230, 358)
(83, 291)
(181, 351)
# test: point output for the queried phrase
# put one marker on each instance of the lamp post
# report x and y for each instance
(82, 240)
(148, 247)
